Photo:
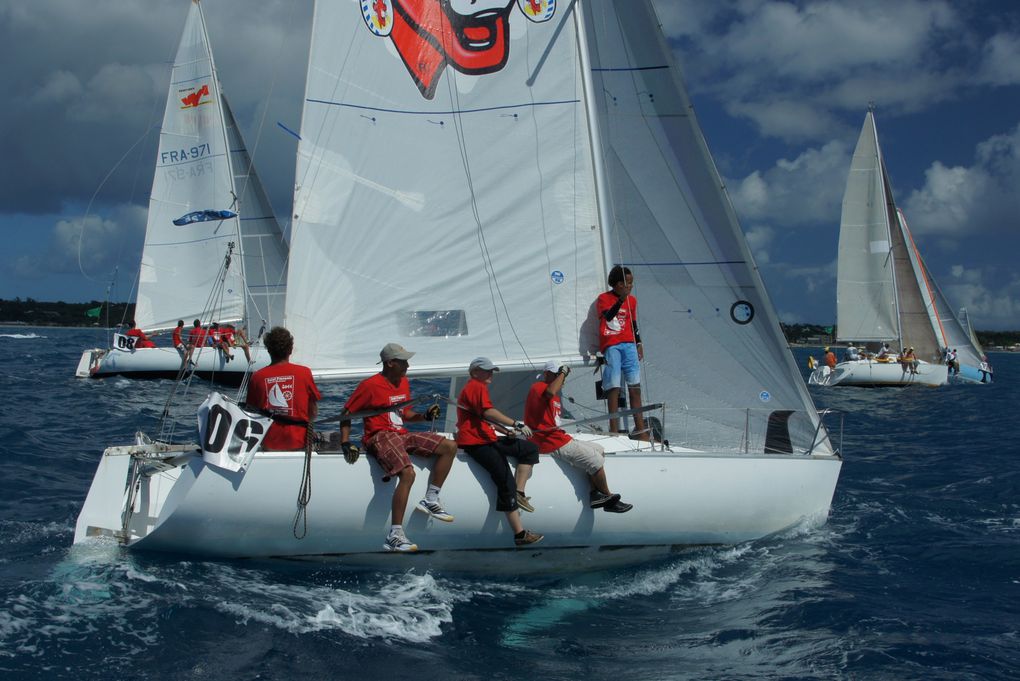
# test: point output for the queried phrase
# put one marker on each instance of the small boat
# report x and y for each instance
(884, 291)
(464, 184)
(213, 248)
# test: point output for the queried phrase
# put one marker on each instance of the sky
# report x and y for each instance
(780, 90)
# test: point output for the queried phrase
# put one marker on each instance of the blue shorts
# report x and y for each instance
(621, 359)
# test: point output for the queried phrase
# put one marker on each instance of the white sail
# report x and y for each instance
(263, 250)
(180, 264)
(462, 223)
(866, 307)
(714, 351)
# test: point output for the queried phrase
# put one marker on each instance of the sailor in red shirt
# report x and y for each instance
(477, 438)
(178, 341)
(620, 344)
(287, 390)
(542, 414)
(390, 442)
(217, 339)
(142, 340)
(196, 337)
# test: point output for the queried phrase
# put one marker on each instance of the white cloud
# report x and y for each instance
(807, 189)
(972, 202)
(92, 245)
(989, 305)
(758, 240)
(1001, 60)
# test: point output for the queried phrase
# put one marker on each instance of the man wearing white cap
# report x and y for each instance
(542, 414)
(477, 438)
(386, 438)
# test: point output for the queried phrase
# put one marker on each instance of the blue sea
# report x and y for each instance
(915, 576)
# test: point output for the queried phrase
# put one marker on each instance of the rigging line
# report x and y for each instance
(473, 201)
(494, 286)
(88, 208)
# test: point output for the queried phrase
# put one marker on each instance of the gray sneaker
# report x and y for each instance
(399, 543)
(434, 509)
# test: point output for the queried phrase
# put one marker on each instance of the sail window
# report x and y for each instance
(441, 323)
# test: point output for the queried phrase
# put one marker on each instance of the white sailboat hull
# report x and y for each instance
(166, 363)
(680, 499)
(866, 372)
(972, 374)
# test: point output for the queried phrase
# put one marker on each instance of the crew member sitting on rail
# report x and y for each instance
(142, 341)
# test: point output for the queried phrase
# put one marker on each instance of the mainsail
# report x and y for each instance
(470, 204)
(203, 167)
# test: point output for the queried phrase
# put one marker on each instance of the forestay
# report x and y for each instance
(192, 173)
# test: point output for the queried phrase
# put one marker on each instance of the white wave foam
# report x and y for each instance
(20, 335)
(407, 607)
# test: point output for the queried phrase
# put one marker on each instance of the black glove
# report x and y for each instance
(432, 413)
(351, 451)
(565, 370)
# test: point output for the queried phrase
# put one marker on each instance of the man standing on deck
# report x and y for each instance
(386, 438)
(620, 344)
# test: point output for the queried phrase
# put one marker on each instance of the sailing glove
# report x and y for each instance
(351, 451)
(565, 370)
(432, 413)
(522, 429)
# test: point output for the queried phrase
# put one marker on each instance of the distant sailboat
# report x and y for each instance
(206, 202)
(470, 200)
(884, 291)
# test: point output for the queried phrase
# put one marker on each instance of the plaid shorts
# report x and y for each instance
(392, 449)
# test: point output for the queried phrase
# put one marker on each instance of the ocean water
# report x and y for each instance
(915, 576)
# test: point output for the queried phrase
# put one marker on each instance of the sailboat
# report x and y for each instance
(213, 248)
(884, 291)
(464, 183)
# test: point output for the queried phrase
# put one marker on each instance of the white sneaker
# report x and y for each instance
(434, 509)
(398, 542)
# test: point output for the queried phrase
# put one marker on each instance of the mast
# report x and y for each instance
(890, 212)
(601, 188)
(236, 207)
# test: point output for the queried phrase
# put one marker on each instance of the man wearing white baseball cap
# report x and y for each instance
(542, 414)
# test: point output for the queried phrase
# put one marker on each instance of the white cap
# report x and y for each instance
(483, 363)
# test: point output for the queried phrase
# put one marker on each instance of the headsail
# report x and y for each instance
(263, 248)
(192, 174)
(866, 307)
(714, 350)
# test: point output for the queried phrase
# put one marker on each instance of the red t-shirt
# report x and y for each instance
(196, 336)
(472, 429)
(143, 340)
(541, 412)
(376, 392)
(288, 390)
(177, 337)
(621, 328)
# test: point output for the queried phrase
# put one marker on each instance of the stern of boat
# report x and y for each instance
(89, 362)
